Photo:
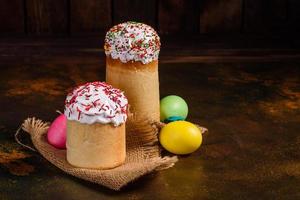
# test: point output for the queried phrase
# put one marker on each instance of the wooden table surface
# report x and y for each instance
(248, 98)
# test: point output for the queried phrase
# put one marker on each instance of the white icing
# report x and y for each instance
(132, 41)
(96, 102)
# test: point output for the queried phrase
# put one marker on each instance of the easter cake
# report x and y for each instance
(96, 115)
(132, 51)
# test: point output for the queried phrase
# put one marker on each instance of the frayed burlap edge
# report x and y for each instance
(142, 156)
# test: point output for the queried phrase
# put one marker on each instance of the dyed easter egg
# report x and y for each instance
(180, 137)
(173, 106)
(57, 132)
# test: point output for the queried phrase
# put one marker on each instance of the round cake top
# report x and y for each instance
(96, 102)
(132, 41)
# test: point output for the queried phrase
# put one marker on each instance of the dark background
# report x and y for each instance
(92, 17)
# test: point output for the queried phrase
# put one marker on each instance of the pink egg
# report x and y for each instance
(57, 132)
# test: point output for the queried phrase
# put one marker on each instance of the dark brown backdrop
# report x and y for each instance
(77, 17)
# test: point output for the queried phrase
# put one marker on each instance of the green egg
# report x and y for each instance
(173, 106)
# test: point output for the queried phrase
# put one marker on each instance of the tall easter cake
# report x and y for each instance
(132, 51)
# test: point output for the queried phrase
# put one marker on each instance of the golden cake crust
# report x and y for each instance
(132, 65)
(99, 146)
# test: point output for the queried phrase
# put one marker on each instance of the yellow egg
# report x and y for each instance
(180, 137)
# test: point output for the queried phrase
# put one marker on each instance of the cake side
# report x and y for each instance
(99, 146)
(141, 87)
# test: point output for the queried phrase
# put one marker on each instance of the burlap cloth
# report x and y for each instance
(142, 156)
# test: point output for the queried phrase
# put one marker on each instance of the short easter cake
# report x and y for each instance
(96, 115)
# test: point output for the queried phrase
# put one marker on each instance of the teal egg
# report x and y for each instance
(173, 107)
